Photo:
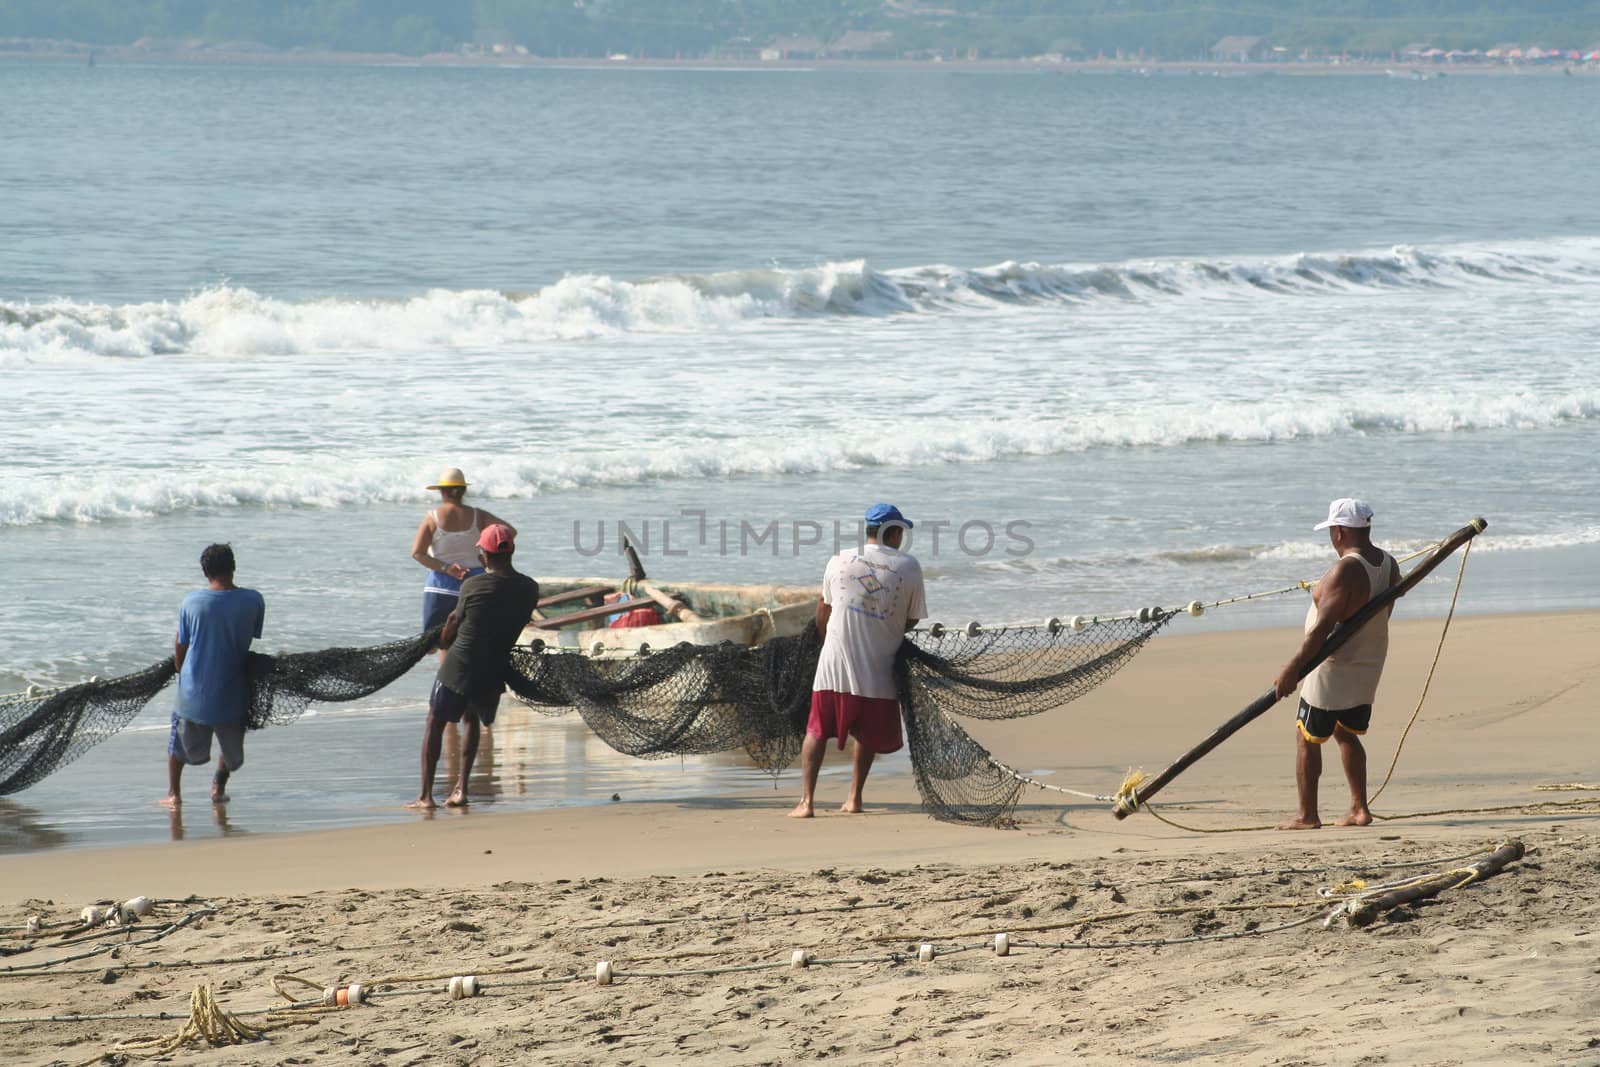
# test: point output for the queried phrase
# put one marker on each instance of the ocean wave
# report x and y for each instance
(1294, 553)
(231, 321)
(327, 480)
(339, 480)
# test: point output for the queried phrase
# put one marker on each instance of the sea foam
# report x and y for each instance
(231, 321)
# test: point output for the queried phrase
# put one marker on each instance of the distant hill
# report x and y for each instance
(1156, 29)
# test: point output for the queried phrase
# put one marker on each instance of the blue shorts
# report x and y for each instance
(448, 705)
(440, 596)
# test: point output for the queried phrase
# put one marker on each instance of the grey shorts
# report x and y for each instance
(191, 742)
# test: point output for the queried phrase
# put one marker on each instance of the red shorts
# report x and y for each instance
(873, 721)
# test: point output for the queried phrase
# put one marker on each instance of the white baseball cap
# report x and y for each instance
(1347, 511)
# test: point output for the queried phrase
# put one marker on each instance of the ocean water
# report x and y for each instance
(1112, 341)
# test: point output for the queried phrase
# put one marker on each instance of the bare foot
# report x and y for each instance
(802, 810)
(457, 799)
(1361, 817)
(851, 807)
(172, 802)
(1298, 823)
(219, 797)
(422, 804)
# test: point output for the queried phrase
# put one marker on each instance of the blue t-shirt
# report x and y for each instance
(217, 625)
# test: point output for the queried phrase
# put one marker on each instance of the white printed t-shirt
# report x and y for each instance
(872, 592)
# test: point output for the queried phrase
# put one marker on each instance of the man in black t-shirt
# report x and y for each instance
(489, 616)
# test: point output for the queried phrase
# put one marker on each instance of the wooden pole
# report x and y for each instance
(671, 605)
(1129, 802)
(1367, 911)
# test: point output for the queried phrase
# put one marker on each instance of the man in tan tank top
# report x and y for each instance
(1336, 698)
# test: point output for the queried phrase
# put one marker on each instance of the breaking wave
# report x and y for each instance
(1310, 553)
(238, 322)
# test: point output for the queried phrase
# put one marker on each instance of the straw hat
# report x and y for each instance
(452, 478)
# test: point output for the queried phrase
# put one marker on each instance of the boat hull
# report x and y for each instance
(742, 614)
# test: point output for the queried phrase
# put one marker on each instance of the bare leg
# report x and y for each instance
(432, 739)
(483, 766)
(1307, 769)
(219, 783)
(469, 752)
(810, 766)
(860, 764)
(1354, 757)
(451, 752)
(174, 797)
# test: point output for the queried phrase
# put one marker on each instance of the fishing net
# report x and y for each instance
(1000, 673)
(281, 687)
(684, 700)
(42, 732)
(696, 699)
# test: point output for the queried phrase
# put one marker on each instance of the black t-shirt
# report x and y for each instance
(493, 610)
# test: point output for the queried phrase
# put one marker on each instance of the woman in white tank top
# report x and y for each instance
(447, 545)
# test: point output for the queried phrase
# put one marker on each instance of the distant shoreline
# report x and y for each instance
(125, 55)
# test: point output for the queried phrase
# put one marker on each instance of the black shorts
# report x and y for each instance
(447, 704)
(1316, 724)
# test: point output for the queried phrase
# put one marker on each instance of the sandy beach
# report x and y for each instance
(1492, 972)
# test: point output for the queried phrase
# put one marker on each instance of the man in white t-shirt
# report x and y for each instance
(870, 598)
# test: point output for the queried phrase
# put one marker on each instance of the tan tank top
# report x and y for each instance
(1349, 677)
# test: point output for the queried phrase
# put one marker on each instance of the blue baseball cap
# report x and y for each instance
(884, 514)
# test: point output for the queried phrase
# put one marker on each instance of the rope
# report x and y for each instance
(1580, 806)
(746, 917)
(1231, 875)
(1157, 942)
(1028, 780)
(1428, 681)
(1194, 607)
(162, 964)
(1105, 916)
(763, 916)
(1360, 890)
(209, 1023)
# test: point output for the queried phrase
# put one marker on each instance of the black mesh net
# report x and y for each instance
(41, 733)
(684, 700)
(701, 699)
(281, 687)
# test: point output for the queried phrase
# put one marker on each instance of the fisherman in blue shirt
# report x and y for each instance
(215, 627)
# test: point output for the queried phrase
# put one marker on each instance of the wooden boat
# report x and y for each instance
(573, 614)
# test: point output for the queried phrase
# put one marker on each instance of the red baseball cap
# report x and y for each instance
(497, 539)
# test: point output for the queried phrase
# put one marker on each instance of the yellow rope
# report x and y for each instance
(1428, 681)
(209, 1023)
